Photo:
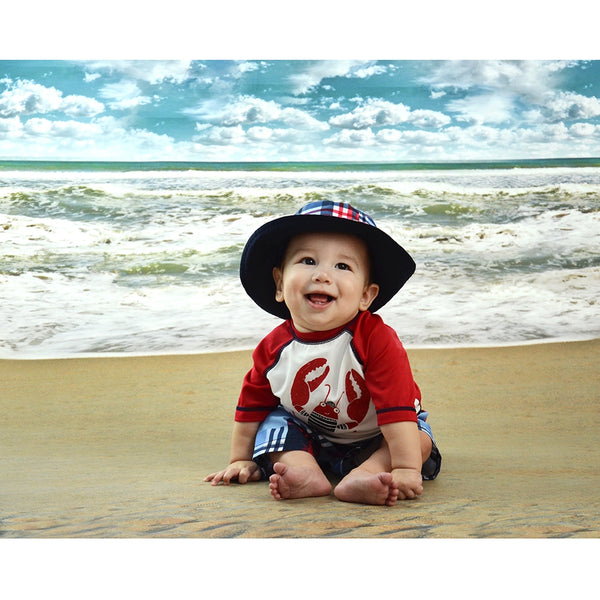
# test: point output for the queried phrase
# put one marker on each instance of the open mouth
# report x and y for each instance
(321, 299)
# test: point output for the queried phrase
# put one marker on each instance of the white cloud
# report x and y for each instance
(150, 71)
(247, 66)
(89, 77)
(248, 110)
(38, 127)
(532, 116)
(123, 95)
(302, 120)
(350, 138)
(25, 97)
(422, 138)
(484, 108)
(428, 118)
(529, 79)
(379, 113)
(568, 105)
(10, 125)
(223, 136)
(584, 130)
(81, 106)
(368, 71)
(315, 72)
(103, 139)
(500, 86)
(259, 133)
(554, 132)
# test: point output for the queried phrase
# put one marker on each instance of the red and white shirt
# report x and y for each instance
(343, 383)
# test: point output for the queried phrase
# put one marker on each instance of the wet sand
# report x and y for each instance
(118, 448)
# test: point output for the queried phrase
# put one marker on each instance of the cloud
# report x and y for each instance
(10, 125)
(569, 106)
(247, 66)
(249, 110)
(123, 95)
(484, 108)
(584, 130)
(528, 79)
(223, 136)
(421, 138)
(368, 71)
(105, 138)
(25, 97)
(89, 77)
(497, 87)
(38, 127)
(312, 75)
(260, 134)
(379, 113)
(151, 71)
(351, 139)
(257, 135)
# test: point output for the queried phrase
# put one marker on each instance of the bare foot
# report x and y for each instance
(367, 488)
(297, 482)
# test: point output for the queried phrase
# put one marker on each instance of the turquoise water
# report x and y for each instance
(291, 166)
(143, 257)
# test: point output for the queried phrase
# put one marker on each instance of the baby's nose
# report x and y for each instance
(322, 275)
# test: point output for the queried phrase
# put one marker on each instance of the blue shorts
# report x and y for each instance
(282, 432)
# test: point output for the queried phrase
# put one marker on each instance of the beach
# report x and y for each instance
(117, 447)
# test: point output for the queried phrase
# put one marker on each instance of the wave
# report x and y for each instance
(131, 258)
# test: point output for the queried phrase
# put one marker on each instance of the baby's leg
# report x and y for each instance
(297, 475)
(369, 483)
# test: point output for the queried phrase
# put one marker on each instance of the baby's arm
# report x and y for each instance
(241, 466)
(404, 444)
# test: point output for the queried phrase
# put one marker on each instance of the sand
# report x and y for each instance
(118, 448)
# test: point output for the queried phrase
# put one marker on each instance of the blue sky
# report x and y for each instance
(299, 110)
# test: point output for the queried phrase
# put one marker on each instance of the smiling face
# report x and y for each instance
(324, 280)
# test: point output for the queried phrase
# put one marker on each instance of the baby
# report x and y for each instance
(331, 389)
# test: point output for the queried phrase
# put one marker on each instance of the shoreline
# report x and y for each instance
(117, 447)
(408, 347)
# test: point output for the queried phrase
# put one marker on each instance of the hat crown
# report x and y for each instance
(341, 210)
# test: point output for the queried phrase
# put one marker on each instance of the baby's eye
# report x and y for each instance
(342, 267)
(307, 260)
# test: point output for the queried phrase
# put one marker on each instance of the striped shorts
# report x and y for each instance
(282, 432)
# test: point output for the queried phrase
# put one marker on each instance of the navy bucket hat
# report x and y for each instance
(391, 265)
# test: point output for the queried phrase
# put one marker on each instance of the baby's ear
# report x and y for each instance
(369, 294)
(278, 278)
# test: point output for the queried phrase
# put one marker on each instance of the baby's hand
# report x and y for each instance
(242, 470)
(409, 482)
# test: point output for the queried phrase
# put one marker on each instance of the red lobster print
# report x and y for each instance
(324, 416)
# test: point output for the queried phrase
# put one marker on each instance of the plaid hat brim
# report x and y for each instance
(391, 265)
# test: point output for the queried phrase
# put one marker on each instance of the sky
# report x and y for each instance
(228, 105)
(299, 110)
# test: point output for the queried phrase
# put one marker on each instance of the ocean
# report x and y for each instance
(142, 258)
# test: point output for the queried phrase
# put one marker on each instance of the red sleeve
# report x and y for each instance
(256, 399)
(387, 370)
